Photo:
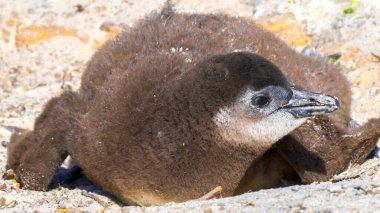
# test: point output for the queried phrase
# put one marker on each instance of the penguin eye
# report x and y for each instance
(260, 101)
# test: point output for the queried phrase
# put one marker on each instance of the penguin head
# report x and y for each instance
(255, 101)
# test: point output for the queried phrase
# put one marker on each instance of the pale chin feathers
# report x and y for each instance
(262, 132)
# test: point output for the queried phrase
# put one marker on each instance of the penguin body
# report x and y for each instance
(184, 103)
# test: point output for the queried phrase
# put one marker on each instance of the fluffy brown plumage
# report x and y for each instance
(141, 125)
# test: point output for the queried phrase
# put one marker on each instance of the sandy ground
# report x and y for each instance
(45, 44)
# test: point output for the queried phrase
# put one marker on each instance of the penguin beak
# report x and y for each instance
(306, 104)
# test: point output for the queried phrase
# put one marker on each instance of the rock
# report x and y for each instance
(287, 28)
(335, 188)
(34, 34)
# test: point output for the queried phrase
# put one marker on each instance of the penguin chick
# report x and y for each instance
(182, 136)
(170, 110)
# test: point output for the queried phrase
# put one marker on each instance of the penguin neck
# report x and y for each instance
(198, 109)
(198, 141)
(259, 134)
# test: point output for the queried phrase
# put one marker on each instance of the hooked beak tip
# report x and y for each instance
(307, 104)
